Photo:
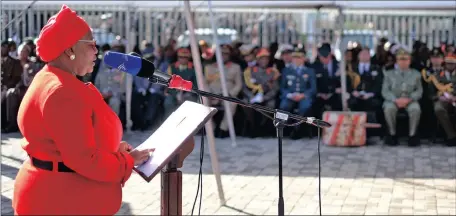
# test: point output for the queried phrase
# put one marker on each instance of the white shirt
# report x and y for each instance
(363, 67)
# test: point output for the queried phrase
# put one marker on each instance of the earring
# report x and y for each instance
(72, 57)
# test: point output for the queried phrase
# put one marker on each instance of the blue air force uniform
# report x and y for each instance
(297, 80)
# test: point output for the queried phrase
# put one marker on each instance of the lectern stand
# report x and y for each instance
(173, 142)
(171, 189)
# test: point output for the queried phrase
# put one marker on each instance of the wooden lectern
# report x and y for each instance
(171, 181)
(173, 142)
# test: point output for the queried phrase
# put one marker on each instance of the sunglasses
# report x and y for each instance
(403, 59)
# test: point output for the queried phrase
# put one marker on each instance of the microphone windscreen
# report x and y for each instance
(123, 62)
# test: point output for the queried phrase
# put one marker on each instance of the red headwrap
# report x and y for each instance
(61, 32)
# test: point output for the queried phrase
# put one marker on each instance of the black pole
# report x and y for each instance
(279, 124)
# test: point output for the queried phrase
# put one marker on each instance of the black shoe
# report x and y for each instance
(391, 140)
(413, 141)
(451, 142)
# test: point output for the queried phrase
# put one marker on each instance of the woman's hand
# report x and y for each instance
(140, 156)
(125, 147)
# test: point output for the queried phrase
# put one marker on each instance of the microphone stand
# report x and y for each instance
(280, 119)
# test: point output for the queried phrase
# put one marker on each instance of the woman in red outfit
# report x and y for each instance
(77, 163)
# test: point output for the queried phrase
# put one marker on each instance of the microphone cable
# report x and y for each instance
(199, 189)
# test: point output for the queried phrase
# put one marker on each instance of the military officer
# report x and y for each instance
(283, 57)
(261, 81)
(248, 52)
(443, 93)
(184, 68)
(233, 77)
(436, 66)
(261, 87)
(298, 85)
(298, 88)
(402, 89)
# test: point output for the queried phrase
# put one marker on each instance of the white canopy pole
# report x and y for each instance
(201, 85)
(130, 36)
(343, 73)
(218, 54)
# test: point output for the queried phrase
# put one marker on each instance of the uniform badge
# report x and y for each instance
(290, 82)
(374, 73)
(252, 80)
(318, 75)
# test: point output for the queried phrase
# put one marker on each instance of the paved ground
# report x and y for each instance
(356, 181)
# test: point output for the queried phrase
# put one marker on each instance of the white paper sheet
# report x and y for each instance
(182, 123)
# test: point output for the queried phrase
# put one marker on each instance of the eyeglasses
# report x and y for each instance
(92, 43)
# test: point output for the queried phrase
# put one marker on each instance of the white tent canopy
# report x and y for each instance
(291, 4)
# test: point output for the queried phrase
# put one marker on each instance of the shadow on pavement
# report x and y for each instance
(258, 157)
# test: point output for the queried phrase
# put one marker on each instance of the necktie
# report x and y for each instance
(326, 69)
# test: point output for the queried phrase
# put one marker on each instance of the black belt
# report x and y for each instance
(49, 165)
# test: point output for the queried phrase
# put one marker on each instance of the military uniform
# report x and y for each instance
(443, 92)
(233, 77)
(402, 84)
(248, 52)
(175, 97)
(298, 80)
(261, 84)
(280, 63)
(428, 121)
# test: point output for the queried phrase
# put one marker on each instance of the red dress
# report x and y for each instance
(64, 120)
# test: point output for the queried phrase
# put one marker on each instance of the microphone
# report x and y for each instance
(135, 65)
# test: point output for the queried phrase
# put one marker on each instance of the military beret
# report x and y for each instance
(437, 52)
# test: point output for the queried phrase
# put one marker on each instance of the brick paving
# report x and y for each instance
(355, 181)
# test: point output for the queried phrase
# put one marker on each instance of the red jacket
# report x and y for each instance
(65, 120)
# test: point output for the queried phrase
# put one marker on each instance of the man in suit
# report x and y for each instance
(402, 89)
(443, 94)
(366, 95)
(328, 81)
(184, 68)
(233, 77)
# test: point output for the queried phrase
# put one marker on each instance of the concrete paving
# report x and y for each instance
(368, 180)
